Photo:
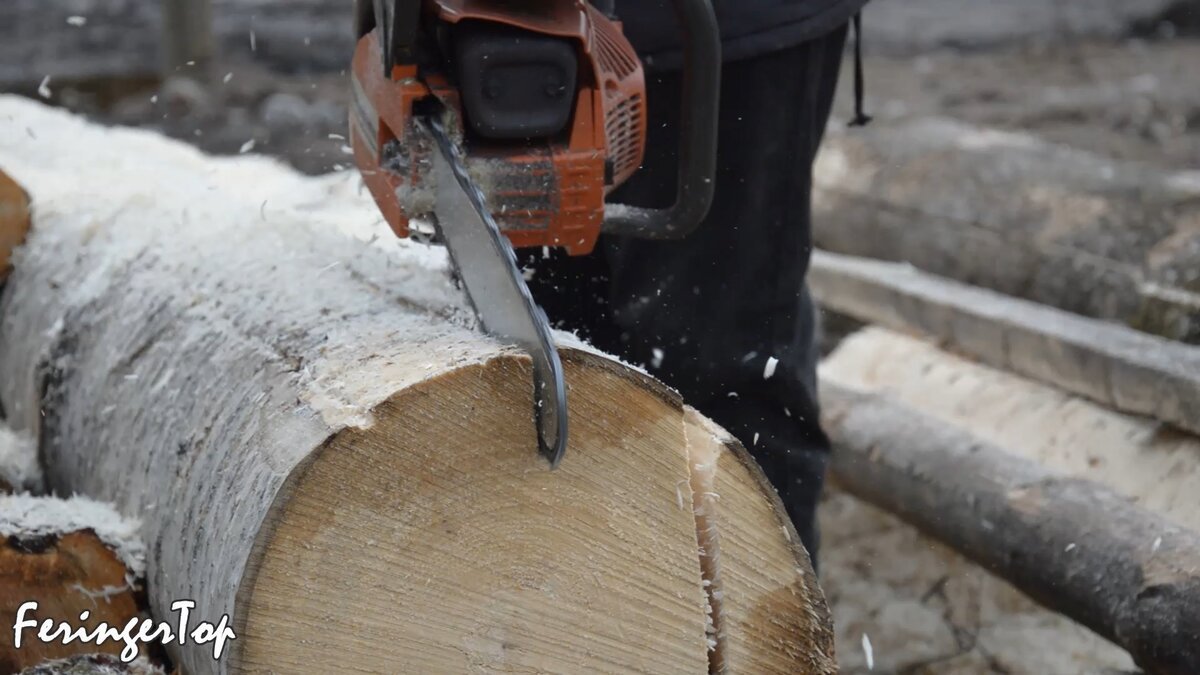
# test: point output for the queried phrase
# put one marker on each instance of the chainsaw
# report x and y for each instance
(485, 125)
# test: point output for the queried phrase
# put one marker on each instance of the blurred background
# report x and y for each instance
(1118, 80)
(1117, 75)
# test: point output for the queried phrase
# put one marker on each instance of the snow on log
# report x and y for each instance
(1013, 213)
(990, 465)
(1108, 363)
(69, 556)
(322, 445)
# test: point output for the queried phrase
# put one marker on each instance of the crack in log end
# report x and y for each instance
(702, 454)
(773, 615)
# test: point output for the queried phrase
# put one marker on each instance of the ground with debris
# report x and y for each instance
(903, 603)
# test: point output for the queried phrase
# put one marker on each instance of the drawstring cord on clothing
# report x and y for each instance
(860, 118)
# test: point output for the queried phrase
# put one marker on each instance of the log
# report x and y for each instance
(1150, 464)
(69, 556)
(1113, 365)
(1010, 212)
(920, 27)
(1077, 547)
(323, 446)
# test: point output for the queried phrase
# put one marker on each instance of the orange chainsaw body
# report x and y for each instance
(542, 192)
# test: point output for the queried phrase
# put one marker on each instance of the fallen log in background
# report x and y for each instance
(1116, 366)
(69, 556)
(1021, 216)
(321, 444)
(1150, 464)
(1074, 545)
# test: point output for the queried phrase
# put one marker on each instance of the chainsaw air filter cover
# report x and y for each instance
(514, 84)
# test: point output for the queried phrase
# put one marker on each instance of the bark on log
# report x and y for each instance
(1018, 215)
(1113, 365)
(323, 446)
(69, 556)
(1072, 545)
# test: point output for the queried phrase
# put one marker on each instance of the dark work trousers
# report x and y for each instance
(713, 314)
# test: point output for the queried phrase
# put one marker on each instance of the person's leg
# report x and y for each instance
(729, 302)
(714, 309)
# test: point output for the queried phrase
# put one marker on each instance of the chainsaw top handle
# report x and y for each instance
(697, 135)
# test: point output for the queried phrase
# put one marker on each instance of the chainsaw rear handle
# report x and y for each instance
(697, 135)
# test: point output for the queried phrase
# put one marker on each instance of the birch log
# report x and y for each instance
(322, 445)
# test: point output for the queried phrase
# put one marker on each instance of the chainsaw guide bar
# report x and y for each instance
(484, 260)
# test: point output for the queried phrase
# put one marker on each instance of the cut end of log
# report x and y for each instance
(58, 554)
(14, 220)
(458, 549)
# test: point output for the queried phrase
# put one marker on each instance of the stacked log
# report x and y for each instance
(80, 563)
(1087, 510)
(1018, 215)
(1064, 460)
